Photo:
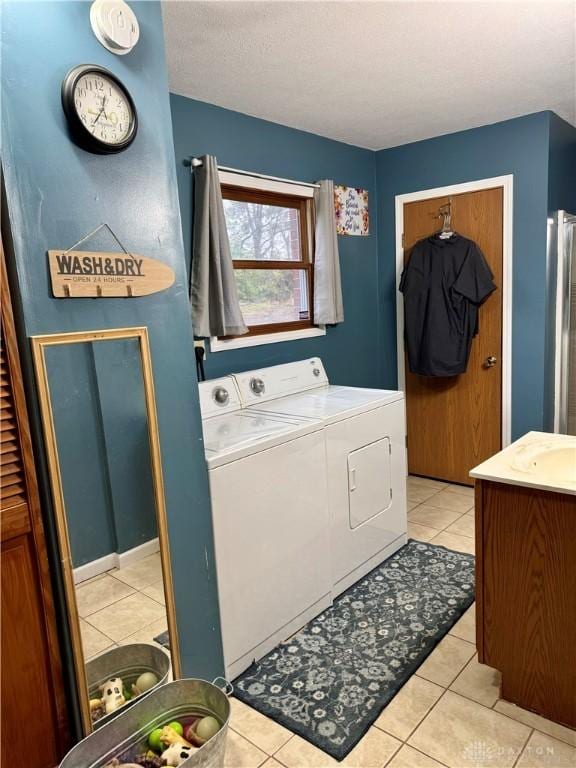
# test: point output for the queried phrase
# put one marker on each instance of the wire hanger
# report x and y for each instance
(95, 232)
(445, 213)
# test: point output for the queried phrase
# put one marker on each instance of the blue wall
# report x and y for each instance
(79, 432)
(536, 148)
(351, 351)
(122, 410)
(56, 193)
(109, 495)
(519, 147)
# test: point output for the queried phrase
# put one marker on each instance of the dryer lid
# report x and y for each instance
(331, 403)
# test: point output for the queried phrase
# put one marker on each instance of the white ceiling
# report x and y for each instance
(375, 73)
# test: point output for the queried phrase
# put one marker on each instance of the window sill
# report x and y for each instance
(220, 345)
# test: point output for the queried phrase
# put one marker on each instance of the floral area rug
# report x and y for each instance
(330, 681)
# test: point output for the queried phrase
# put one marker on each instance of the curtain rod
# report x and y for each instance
(196, 163)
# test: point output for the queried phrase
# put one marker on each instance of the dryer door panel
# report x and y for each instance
(369, 488)
(366, 523)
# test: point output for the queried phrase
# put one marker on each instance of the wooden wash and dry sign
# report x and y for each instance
(85, 274)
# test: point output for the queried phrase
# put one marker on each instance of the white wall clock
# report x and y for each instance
(115, 25)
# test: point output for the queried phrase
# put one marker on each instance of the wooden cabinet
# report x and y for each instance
(526, 595)
(34, 727)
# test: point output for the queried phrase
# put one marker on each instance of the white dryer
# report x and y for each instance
(269, 499)
(365, 432)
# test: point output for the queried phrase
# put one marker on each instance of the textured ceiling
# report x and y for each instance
(375, 74)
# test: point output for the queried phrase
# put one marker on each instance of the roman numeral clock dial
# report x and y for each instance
(100, 112)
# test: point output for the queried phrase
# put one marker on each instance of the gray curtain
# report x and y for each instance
(328, 307)
(213, 294)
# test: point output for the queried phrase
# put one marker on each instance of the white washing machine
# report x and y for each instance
(365, 432)
(269, 498)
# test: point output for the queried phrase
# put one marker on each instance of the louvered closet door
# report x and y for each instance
(33, 714)
(12, 485)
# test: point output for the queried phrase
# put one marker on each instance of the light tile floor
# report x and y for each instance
(449, 714)
(122, 606)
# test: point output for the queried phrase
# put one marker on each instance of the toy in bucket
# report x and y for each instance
(119, 676)
(183, 723)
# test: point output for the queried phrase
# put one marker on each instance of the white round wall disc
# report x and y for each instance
(115, 25)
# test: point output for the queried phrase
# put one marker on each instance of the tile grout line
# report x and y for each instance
(534, 728)
(135, 590)
(427, 715)
(490, 709)
(282, 747)
(117, 642)
(108, 605)
(425, 755)
(520, 752)
(393, 755)
(242, 736)
(419, 723)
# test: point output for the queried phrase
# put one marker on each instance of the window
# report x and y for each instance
(270, 241)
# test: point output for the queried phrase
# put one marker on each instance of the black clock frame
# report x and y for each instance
(78, 130)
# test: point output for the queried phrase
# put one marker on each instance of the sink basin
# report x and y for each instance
(540, 460)
(548, 460)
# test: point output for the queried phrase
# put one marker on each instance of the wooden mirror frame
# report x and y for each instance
(39, 345)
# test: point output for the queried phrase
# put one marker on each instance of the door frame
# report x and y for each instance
(507, 185)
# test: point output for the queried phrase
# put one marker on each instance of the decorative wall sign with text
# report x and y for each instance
(351, 207)
(101, 274)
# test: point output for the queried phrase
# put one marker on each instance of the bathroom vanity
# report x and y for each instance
(526, 572)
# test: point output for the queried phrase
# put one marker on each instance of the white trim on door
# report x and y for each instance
(507, 184)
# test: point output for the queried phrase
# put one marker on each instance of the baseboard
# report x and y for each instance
(115, 560)
(95, 568)
(138, 553)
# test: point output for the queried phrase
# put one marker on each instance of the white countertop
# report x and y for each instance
(537, 460)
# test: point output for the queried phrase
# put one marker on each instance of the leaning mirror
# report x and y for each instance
(97, 402)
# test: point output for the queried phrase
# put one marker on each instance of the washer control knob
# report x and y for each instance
(257, 386)
(221, 395)
(316, 371)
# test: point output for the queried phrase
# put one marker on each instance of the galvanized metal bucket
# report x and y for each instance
(127, 662)
(126, 734)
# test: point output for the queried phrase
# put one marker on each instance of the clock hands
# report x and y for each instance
(101, 111)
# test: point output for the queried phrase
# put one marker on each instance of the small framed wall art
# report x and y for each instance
(351, 208)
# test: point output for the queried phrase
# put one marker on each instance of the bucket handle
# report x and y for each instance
(225, 685)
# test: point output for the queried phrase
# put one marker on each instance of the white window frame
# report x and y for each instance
(284, 188)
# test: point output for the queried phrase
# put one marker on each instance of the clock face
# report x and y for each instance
(103, 108)
(100, 111)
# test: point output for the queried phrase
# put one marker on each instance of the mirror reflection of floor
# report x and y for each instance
(122, 606)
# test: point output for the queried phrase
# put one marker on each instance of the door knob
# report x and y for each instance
(490, 362)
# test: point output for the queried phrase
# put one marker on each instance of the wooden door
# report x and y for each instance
(455, 423)
(33, 707)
